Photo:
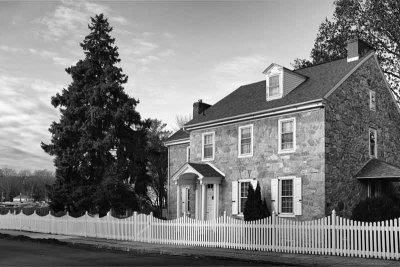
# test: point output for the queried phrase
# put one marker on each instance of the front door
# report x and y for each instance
(210, 202)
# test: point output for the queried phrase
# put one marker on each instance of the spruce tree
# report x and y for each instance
(99, 142)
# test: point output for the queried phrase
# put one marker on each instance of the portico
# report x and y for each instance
(205, 179)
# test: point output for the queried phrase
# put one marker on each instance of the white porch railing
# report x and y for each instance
(331, 235)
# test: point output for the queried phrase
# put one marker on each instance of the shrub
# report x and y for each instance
(380, 208)
(255, 208)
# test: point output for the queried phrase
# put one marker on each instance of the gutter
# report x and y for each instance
(259, 114)
(177, 142)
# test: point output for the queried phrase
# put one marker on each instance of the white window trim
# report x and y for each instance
(202, 146)
(280, 73)
(188, 154)
(240, 141)
(280, 150)
(372, 107)
(280, 179)
(240, 213)
(376, 143)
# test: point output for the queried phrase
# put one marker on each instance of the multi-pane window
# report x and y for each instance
(287, 135)
(208, 146)
(372, 101)
(244, 189)
(245, 140)
(287, 196)
(273, 86)
(372, 143)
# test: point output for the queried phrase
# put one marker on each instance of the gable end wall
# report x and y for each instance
(348, 119)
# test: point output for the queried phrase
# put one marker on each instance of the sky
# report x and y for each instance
(174, 52)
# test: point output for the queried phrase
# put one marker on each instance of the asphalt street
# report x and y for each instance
(30, 253)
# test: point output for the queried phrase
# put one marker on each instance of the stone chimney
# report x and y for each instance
(356, 49)
(199, 108)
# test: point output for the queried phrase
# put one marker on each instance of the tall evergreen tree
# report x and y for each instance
(375, 21)
(99, 143)
(255, 208)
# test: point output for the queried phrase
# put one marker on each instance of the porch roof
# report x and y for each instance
(378, 169)
(204, 172)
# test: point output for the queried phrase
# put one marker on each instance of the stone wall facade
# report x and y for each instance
(308, 161)
(177, 158)
(348, 119)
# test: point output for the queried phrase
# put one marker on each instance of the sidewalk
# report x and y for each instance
(218, 253)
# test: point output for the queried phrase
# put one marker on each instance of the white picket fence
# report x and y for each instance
(331, 235)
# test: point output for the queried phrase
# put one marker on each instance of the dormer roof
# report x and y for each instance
(251, 98)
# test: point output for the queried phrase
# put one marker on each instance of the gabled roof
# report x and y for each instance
(252, 97)
(378, 169)
(205, 170)
(179, 135)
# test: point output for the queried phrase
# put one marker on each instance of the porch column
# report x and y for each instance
(197, 202)
(203, 202)
(178, 200)
(216, 200)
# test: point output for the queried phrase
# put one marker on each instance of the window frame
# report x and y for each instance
(280, 196)
(280, 123)
(240, 155)
(240, 213)
(372, 105)
(270, 75)
(202, 146)
(375, 155)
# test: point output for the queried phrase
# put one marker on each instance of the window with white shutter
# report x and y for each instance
(286, 196)
(240, 191)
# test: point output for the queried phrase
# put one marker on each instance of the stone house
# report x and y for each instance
(315, 139)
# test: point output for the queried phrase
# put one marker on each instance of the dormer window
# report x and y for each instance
(273, 89)
(274, 86)
(281, 81)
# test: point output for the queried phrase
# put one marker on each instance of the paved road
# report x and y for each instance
(29, 253)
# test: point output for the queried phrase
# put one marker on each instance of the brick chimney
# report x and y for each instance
(356, 49)
(199, 108)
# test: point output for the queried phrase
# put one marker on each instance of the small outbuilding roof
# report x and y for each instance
(378, 169)
(178, 135)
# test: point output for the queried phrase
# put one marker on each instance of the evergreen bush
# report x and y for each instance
(255, 208)
(375, 209)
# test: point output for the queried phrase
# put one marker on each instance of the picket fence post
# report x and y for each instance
(20, 221)
(135, 222)
(333, 218)
(86, 214)
(273, 231)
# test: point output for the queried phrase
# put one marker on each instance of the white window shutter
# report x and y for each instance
(184, 199)
(235, 196)
(297, 196)
(274, 195)
(254, 184)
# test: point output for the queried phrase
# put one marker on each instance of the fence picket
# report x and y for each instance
(332, 235)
